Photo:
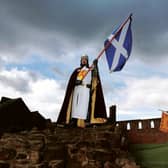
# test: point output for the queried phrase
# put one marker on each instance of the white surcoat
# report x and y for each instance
(81, 97)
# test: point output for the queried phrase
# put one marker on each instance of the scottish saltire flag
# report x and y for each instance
(118, 46)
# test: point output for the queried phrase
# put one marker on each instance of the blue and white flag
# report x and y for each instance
(118, 46)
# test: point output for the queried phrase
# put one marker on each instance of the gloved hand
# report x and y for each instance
(78, 82)
(95, 62)
(95, 69)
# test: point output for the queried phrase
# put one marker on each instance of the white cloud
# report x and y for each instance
(138, 98)
(149, 91)
(60, 39)
(142, 98)
(44, 95)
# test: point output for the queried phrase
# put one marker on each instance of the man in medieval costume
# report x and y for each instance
(84, 100)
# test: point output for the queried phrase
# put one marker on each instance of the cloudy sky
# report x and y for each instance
(41, 42)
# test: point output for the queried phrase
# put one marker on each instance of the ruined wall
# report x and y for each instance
(95, 147)
(143, 131)
(139, 131)
(103, 146)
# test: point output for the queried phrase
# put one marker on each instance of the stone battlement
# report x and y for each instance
(136, 125)
(139, 131)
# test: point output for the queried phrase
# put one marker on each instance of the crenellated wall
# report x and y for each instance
(139, 131)
(143, 131)
(136, 125)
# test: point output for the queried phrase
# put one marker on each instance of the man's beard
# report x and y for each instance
(86, 64)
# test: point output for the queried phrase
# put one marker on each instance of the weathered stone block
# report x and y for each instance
(54, 153)
(4, 164)
(40, 165)
(21, 155)
(7, 153)
(34, 157)
(103, 155)
(56, 164)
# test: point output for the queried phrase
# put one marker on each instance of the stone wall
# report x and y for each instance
(96, 147)
(104, 146)
(143, 131)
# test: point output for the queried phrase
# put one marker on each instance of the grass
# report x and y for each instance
(151, 155)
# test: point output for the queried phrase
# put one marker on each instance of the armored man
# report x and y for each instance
(84, 101)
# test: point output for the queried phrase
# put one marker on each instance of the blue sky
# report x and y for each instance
(42, 41)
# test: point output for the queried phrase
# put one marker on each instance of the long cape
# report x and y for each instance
(97, 108)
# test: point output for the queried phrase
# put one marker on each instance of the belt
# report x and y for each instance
(86, 85)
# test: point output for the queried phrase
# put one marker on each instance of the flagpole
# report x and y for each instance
(108, 44)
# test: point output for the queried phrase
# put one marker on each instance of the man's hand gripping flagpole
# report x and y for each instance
(108, 44)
